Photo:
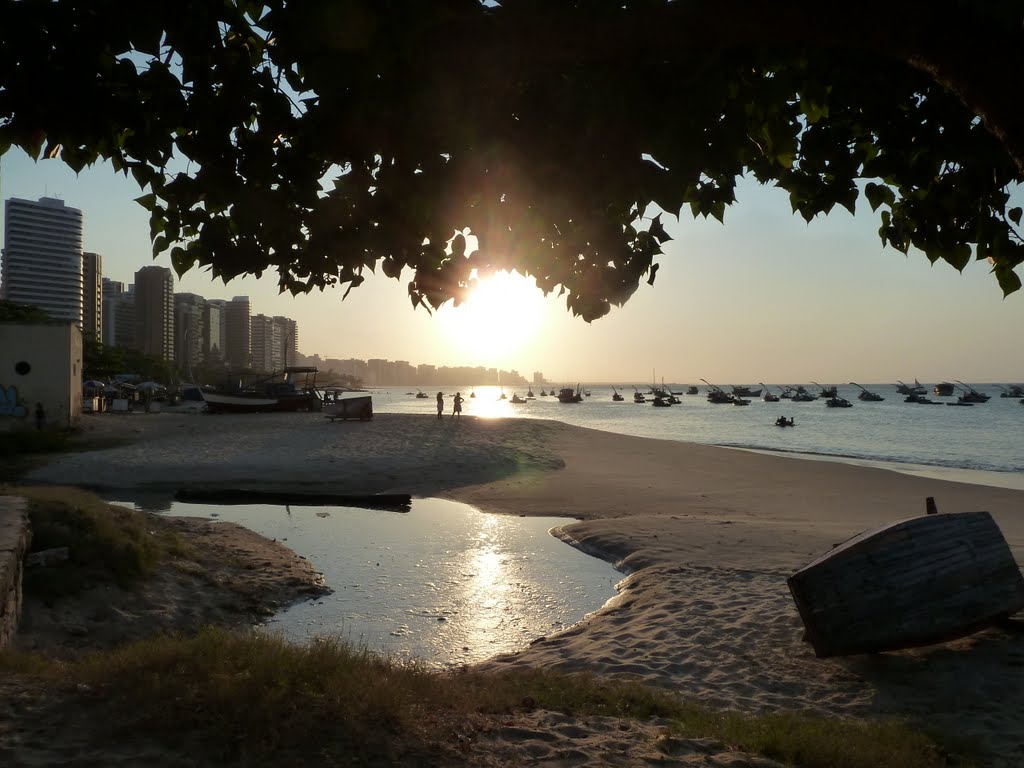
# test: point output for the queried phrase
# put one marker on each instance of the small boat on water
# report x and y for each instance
(782, 421)
(838, 402)
(769, 396)
(661, 402)
(746, 391)
(1014, 390)
(717, 395)
(943, 389)
(530, 395)
(801, 395)
(421, 395)
(616, 396)
(866, 396)
(826, 392)
(281, 391)
(517, 399)
(740, 401)
(692, 390)
(971, 395)
(922, 400)
(638, 396)
(906, 389)
(909, 583)
(570, 395)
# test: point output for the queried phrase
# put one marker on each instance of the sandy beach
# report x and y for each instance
(705, 538)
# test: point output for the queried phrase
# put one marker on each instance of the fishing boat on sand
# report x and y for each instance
(909, 583)
(281, 391)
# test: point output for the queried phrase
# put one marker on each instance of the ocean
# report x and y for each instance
(983, 443)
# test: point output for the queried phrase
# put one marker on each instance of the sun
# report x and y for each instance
(500, 318)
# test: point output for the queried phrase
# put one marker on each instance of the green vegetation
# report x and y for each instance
(327, 140)
(106, 543)
(255, 699)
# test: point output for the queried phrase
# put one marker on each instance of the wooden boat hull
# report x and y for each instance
(914, 582)
(217, 402)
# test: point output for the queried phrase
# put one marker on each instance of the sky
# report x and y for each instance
(765, 297)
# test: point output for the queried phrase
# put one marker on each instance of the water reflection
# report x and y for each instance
(444, 583)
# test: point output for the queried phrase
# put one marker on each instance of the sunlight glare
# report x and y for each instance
(500, 318)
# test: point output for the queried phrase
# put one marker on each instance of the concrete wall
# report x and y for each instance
(15, 537)
(40, 364)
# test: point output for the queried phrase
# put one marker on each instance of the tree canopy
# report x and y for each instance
(327, 138)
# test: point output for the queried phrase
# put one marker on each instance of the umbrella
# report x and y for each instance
(93, 384)
(149, 385)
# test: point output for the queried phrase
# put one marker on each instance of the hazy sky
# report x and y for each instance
(765, 297)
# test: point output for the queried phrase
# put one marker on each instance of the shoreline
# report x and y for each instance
(707, 536)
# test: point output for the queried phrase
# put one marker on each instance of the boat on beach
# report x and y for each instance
(281, 391)
(909, 583)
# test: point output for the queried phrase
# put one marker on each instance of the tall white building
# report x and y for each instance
(42, 258)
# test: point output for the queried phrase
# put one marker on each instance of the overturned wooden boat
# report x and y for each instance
(909, 583)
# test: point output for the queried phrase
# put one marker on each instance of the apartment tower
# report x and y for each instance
(42, 257)
(154, 312)
(92, 295)
(238, 334)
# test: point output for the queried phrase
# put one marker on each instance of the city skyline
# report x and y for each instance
(764, 297)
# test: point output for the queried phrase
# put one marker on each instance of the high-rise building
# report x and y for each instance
(289, 340)
(42, 257)
(118, 314)
(189, 330)
(216, 329)
(266, 344)
(274, 344)
(92, 295)
(238, 334)
(154, 312)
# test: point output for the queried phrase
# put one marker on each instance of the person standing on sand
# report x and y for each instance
(457, 406)
(440, 404)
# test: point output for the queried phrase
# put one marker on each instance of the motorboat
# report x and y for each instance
(530, 395)
(801, 395)
(616, 396)
(740, 401)
(782, 421)
(659, 401)
(638, 396)
(517, 399)
(769, 396)
(925, 580)
(826, 392)
(943, 389)
(1014, 390)
(921, 399)
(906, 389)
(692, 390)
(570, 395)
(971, 395)
(867, 396)
(838, 402)
(745, 392)
(421, 395)
(717, 395)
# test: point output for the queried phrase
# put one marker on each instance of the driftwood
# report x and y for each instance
(396, 502)
(910, 583)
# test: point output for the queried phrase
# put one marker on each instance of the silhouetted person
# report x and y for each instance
(440, 404)
(40, 416)
(457, 405)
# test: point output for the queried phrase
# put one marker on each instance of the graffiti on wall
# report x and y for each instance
(10, 403)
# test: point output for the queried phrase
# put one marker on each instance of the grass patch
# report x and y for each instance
(105, 542)
(256, 699)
